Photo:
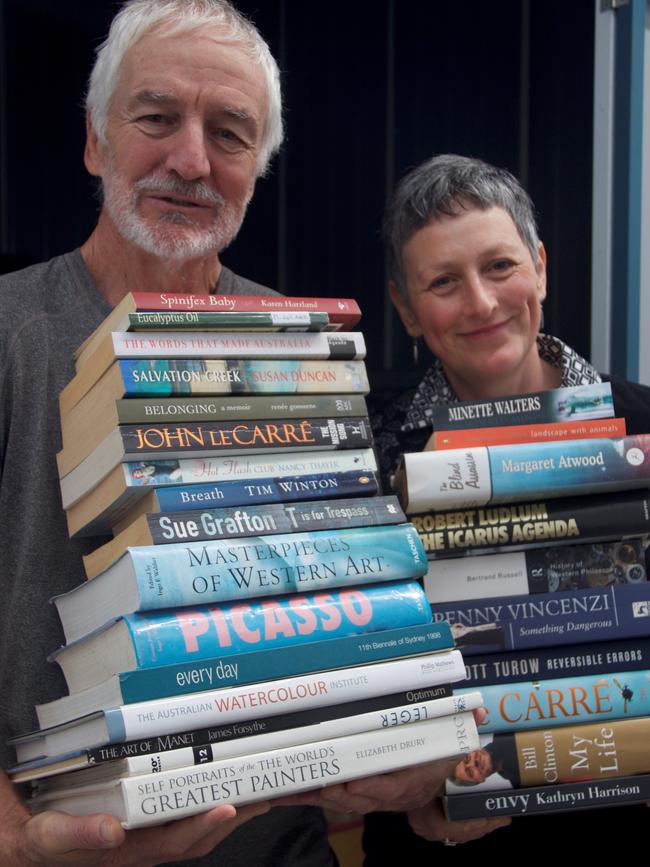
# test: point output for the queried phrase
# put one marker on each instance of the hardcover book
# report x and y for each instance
(198, 573)
(171, 636)
(166, 377)
(59, 745)
(152, 528)
(540, 570)
(536, 523)
(546, 756)
(139, 801)
(91, 766)
(341, 311)
(573, 403)
(127, 687)
(467, 478)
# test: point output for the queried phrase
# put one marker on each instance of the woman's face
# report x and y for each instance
(474, 295)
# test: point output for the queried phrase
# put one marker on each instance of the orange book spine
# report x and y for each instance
(527, 433)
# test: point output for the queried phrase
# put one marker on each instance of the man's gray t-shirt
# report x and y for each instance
(46, 312)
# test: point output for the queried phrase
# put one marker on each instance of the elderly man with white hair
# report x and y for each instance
(183, 115)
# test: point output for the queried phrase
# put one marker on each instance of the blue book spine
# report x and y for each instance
(179, 498)
(157, 377)
(576, 617)
(170, 637)
(564, 701)
(631, 654)
(199, 573)
(282, 662)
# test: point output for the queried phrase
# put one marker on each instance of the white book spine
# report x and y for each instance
(455, 478)
(199, 710)
(213, 344)
(168, 760)
(150, 800)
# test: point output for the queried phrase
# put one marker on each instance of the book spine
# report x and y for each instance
(527, 433)
(565, 700)
(580, 616)
(199, 573)
(575, 403)
(343, 310)
(618, 791)
(273, 518)
(294, 769)
(135, 410)
(463, 478)
(538, 523)
(32, 747)
(587, 751)
(241, 436)
(245, 668)
(540, 570)
(168, 637)
(246, 467)
(256, 726)
(546, 662)
(156, 762)
(339, 345)
(227, 321)
(169, 377)
(169, 715)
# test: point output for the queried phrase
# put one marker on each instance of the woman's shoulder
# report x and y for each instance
(388, 413)
(631, 402)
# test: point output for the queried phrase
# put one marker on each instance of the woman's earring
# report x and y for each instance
(541, 317)
(416, 352)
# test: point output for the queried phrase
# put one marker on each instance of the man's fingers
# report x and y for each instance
(52, 834)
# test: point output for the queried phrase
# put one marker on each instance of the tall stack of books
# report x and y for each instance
(537, 548)
(280, 641)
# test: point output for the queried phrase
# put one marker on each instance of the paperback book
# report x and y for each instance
(632, 654)
(526, 433)
(535, 523)
(152, 577)
(467, 478)
(539, 570)
(565, 700)
(574, 403)
(577, 616)
(165, 377)
(86, 425)
(344, 312)
(232, 481)
(227, 320)
(152, 528)
(134, 442)
(201, 345)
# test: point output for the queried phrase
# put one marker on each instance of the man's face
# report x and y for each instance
(474, 768)
(183, 137)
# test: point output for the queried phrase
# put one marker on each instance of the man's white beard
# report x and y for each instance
(174, 235)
